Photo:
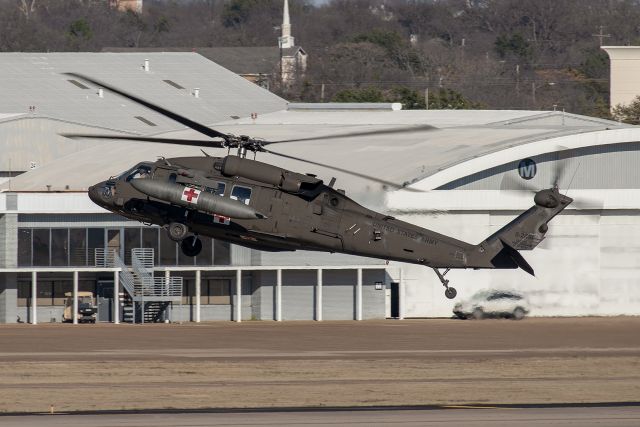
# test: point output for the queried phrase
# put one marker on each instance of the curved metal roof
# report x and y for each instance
(462, 141)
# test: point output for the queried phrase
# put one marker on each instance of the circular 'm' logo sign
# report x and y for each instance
(527, 169)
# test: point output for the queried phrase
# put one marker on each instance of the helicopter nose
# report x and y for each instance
(97, 194)
(93, 194)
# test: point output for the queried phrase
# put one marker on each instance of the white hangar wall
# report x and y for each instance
(589, 264)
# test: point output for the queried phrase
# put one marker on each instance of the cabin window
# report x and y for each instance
(140, 172)
(242, 194)
(219, 190)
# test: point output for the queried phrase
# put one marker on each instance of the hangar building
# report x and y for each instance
(52, 235)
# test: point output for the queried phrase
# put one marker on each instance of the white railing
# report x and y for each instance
(160, 287)
(144, 256)
(105, 257)
(126, 278)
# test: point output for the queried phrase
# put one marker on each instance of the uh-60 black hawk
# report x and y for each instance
(265, 207)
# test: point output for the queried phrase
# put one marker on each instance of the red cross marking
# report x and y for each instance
(190, 194)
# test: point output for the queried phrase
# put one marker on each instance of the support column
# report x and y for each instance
(116, 298)
(9, 298)
(34, 298)
(167, 279)
(319, 296)
(401, 296)
(359, 295)
(238, 307)
(198, 287)
(75, 297)
(279, 295)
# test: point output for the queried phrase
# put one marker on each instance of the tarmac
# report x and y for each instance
(382, 372)
(470, 417)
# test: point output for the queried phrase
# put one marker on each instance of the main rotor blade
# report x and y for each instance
(587, 203)
(393, 131)
(187, 142)
(350, 172)
(205, 130)
(560, 166)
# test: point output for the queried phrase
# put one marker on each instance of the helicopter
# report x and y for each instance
(265, 207)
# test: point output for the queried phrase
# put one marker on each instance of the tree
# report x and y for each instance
(629, 113)
(80, 29)
(369, 94)
(442, 99)
(515, 45)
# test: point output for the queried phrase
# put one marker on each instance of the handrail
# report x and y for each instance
(104, 257)
(145, 284)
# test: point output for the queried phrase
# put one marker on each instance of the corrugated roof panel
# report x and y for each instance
(37, 79)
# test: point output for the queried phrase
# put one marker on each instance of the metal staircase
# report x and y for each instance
(149, 298)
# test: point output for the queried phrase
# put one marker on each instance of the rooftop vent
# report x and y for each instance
(196, 92)
(78, 84)
(145, 66)
(100, 92)
(172, 83)
(145, 121)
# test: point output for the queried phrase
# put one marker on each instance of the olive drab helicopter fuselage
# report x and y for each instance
(265, 207)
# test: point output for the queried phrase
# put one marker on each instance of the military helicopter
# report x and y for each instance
(265, 207)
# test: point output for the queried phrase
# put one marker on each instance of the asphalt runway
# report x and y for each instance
(269, 365)
(471, 417)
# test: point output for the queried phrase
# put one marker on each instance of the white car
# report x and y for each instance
(493, 303)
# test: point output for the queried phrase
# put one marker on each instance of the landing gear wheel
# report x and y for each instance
(450, 293)
(177, 231)
(191, 246)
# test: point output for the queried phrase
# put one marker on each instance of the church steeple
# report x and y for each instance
(286, 40)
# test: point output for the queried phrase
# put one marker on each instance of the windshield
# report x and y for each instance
(141, 170)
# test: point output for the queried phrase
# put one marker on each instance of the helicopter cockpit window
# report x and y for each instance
(140, 172)
(219, 190)
(242, 194)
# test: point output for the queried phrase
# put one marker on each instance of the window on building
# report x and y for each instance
(215, 292)
(168, 250)
(150, 240)
(78, 246)
(206, 256)
(189, 292)
(95, 240)
(41, 242)
(24, 292)
(220, 291)
(221, 252)
(24, 247)
(59, 247)
(132, 240)
(44, 293)
(242, 194)
(60, 288)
